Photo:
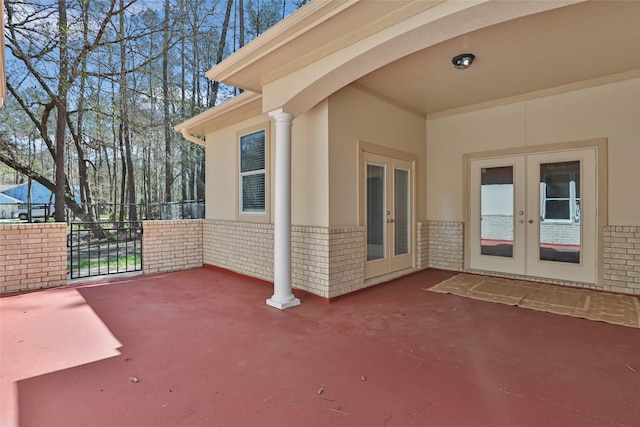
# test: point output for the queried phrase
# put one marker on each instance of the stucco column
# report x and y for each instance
(282, 296)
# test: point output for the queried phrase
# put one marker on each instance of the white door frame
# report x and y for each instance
(594, 250)
(515, 264)
(391, 159)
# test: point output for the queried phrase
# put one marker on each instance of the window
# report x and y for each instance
(253, 173)
(560, 191)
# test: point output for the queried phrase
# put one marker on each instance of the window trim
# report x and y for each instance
(261, 217)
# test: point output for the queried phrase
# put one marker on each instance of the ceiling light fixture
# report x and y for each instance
(463, 60)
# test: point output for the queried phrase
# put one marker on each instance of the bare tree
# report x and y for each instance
(95, 87)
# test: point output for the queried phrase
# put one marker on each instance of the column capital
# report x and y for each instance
(283, 115)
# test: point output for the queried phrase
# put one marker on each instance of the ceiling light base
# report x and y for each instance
(463, 60)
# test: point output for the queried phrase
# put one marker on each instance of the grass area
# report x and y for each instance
(109, 263)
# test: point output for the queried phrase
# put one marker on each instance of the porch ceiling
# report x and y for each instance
(560, 47)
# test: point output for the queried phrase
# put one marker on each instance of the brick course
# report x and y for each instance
(324, 261)
(328, 262)
(171, 245)
(621, 259)
(446, 245)
(422, 245)
(33, 256)
(243, 247)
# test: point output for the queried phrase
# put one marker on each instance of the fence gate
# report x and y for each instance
(99, 248)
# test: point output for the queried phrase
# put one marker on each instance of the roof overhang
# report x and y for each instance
(234, 110)
(314, 31)
(402, 51)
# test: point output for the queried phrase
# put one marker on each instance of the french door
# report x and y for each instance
(535, 215)
(388, 214)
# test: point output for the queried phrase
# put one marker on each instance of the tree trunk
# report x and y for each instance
(221, 46)
(131, 184)
(241, 19)
(168, 167)
(124, 120)
(61, 106)
(83, 176)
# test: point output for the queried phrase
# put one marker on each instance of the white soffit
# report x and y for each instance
(590, 42)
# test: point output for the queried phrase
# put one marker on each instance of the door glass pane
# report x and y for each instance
(560, 212)
(401, 212)
(376, 215)
(496, 210)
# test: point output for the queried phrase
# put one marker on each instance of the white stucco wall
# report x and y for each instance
(309, 171)
(609, 111)
(356, 115)
(310, 168)
(222, 169)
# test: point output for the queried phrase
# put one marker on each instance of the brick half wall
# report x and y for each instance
(621, 259)
(327, 262)
(243, 247)
(32, 256)
(171, 245)
(422, 245)
(446, 245)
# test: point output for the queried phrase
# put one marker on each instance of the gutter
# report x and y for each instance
(186, 135)
(233, 110)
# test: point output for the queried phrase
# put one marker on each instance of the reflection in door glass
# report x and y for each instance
(401, 212)
(496, 210)
(376, 217)
(560, 212)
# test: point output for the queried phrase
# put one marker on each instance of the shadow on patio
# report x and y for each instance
(208, 351)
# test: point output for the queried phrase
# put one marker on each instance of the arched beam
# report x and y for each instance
(304, 87)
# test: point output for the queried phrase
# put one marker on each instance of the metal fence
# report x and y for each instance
(99, 248)
(186, 209)
(113, 243)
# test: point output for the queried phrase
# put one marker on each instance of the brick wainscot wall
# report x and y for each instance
(32, 256)
(327, 262)
(171, 245)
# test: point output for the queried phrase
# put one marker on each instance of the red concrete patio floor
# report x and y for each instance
(207, 351)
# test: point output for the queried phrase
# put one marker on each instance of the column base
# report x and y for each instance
(282, 305)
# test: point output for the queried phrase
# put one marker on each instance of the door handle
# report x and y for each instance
(530, 221)
(389, 221)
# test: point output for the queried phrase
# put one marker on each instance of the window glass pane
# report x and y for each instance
(497, 176)
(253, 199)
(560, 233)
(557, 209)
(376, 217)
(496, 210)
(557, 184)
(401, 214)
(252, 152)
(252, 172)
